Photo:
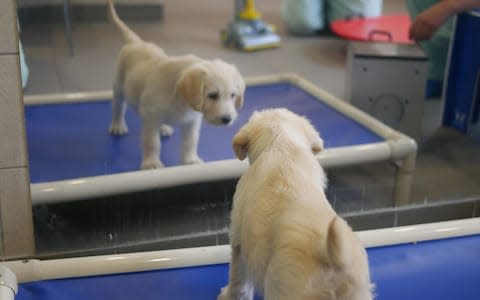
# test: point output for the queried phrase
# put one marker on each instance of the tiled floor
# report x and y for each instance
(448, 166)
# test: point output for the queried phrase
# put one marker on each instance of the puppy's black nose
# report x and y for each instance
(226, 119)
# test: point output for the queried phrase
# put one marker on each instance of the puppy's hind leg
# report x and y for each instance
(119, 108)
(239, 287)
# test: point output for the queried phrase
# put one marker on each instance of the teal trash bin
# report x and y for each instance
(303, 17)
(344, 9)
(23, 64)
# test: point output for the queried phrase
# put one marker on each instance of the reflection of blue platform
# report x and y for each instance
(68, 141)
(462, 98)
(440, 270)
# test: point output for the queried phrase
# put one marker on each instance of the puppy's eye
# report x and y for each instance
(232, 95)
(213, 96)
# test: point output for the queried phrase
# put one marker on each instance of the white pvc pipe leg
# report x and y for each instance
(8, 284)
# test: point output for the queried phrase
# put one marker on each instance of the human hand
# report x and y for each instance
(422, 29)
(428, 22)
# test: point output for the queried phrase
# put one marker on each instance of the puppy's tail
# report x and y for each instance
(338, 243)
(128, 34)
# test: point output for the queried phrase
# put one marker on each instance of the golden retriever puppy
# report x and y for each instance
(287, 241)
(171, 90)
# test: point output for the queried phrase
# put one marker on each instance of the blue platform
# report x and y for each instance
(67, 141)
(437, 270)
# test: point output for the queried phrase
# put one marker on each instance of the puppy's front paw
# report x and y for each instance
(194, 159)
(151, 164)
(166, 130)
(119, 128)
(223, 294)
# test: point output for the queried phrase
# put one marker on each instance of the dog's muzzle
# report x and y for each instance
(226, 120)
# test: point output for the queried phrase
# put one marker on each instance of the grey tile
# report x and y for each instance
(8, 27)
(346, 200)
(438, 213)
(477, 208)
(43, 77)
(16, 226)
(371, 221)
(378, 196)
(13, 151)
(448, 182)
(205, 241)
(223, 239)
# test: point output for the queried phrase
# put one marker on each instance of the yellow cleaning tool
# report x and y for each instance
(246, 31)
(249, 13)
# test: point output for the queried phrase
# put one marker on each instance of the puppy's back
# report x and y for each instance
(309, 252)
(294, 244)
(318, 264)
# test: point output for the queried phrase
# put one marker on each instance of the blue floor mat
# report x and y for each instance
(68, 141)
(442, 270)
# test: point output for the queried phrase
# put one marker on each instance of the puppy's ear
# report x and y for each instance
(240, 144)
(317, 146)
(190, 86)
(312, 136)
(239, 100)
(339, 243)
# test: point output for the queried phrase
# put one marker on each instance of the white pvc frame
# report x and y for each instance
(8, 283)
(397, 148)
(35, 270)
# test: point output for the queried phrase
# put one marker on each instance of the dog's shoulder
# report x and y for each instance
(185, 60)
(142, 51)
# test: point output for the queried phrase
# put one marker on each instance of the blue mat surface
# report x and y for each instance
(441, 270)
(68, 141)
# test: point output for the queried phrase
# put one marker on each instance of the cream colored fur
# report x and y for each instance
(171, 90)
(287, 241)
